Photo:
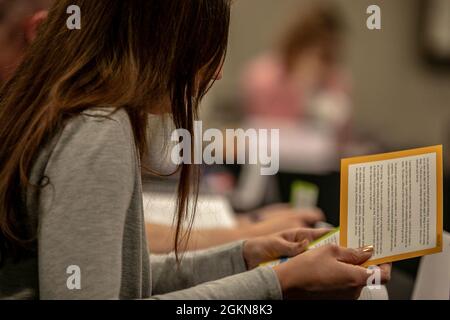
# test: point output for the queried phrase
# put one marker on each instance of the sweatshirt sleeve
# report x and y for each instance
(258, 284)
(196, 267)
(83, 211)
(196, 277)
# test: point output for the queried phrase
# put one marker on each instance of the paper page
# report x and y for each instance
(330, 238)
(433, 276)
(394, 202)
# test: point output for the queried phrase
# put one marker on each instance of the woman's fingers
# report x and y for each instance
(356, 257)
(353, 256)
(385, 272)
(355, 276)
(299, 239)
(292, 249)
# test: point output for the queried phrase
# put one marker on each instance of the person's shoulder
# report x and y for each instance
(93, 137)
(98, 123)
(105, 117)
(93, 131)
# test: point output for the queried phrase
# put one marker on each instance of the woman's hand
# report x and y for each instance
(329, 272)
(285, 244)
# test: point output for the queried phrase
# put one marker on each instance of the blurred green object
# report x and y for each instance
(304, 194)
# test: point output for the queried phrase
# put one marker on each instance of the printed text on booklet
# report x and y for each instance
(393, 201)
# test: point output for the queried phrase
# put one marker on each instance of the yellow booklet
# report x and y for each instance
(393, 201)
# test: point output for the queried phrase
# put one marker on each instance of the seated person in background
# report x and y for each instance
(19, 23)
(298, 88)
(299, 83)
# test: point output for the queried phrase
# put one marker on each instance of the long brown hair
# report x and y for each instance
(130, 54)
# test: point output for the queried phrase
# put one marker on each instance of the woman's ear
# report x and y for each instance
(33, 23)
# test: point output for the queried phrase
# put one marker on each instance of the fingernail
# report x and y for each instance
(304, 243)
(367, 249)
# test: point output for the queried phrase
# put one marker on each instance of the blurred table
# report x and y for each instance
(159, 206)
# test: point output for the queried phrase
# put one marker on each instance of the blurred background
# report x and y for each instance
(335, 89)
(392, 80)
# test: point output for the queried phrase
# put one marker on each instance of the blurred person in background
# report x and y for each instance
(299, 88)
(299, 82)
(19, 22)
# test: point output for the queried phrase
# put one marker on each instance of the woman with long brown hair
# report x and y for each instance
(73, 130)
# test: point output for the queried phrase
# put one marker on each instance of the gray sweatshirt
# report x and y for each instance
(90, 228)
